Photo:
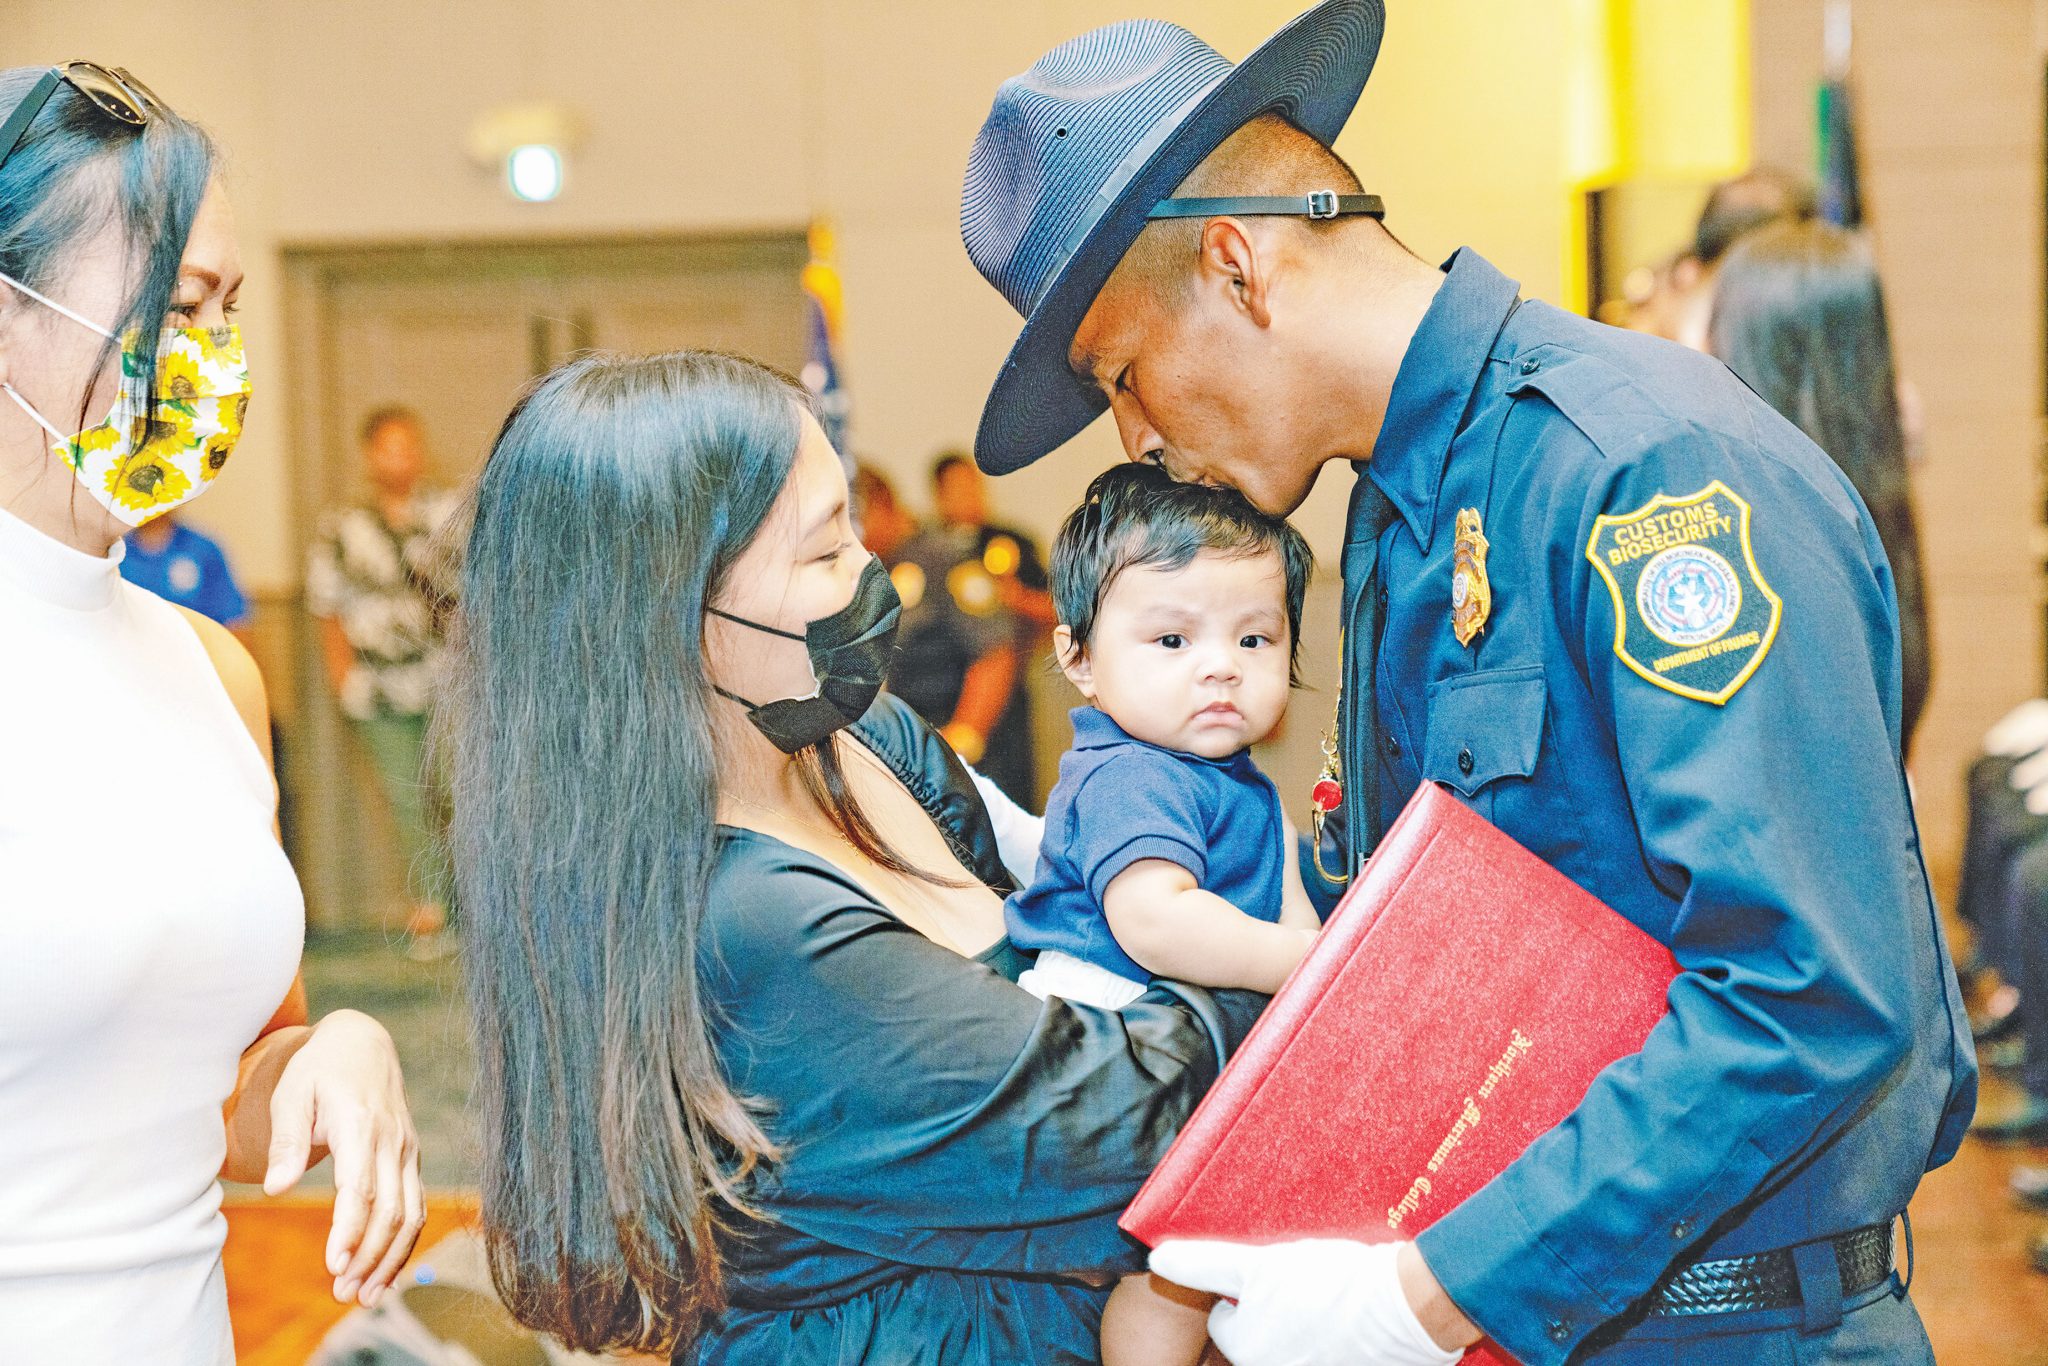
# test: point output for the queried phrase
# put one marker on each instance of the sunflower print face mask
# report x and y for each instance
(140, 465)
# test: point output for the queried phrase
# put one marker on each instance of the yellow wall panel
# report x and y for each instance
(1686, 100)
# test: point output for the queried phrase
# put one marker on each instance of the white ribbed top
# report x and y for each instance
(149, 926)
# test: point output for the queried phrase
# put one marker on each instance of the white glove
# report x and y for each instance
(2023, 730)
(1316, 1302)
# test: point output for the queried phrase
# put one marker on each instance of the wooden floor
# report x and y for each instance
(1982, 1303)
(279, 1294)
(1983, 1306)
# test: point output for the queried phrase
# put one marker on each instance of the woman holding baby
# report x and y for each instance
(757, 1081)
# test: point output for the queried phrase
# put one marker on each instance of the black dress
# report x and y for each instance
(953, 1150)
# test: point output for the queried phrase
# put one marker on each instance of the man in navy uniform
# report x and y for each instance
(1597, 588)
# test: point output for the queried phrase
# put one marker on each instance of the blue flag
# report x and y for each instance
(1841, 190)
(821, 362)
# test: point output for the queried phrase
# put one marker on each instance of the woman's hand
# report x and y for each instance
(342, 1091)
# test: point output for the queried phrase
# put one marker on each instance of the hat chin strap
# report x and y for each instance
(1314, 204)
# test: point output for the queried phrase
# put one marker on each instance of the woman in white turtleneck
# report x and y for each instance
(152, 1027)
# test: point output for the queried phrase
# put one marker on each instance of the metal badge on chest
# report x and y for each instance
(1471, 594)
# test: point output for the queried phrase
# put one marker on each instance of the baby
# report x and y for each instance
(1166, 852)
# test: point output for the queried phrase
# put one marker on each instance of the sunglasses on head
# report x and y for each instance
(113, 92)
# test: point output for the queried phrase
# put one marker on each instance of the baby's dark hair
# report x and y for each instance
(1139, 515)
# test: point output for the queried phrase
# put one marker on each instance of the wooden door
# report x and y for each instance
(455, 332)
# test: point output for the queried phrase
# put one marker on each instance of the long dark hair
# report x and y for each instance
(578, 731)
(1799, 314)
(79, 171)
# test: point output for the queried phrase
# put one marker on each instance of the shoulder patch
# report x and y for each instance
(1692, 613)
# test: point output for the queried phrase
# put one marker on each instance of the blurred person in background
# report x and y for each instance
(885, 526)
(1799, 314)
(1734, 207)
(182, 566)
(381, 594)
(2006, 791)
(960, 497)
(2004, 900)
(1651, 300)
(975, 609)
(2022, 1027)
(153, 1034)
(879, 515)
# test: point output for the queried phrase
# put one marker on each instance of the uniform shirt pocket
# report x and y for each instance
(1485, 726)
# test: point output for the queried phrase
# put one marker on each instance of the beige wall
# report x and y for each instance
(1950, 117)
(345, 122)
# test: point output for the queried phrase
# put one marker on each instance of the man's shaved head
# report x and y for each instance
(1268, 156)
(1220, 341)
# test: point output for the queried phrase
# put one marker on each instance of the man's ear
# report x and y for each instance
(1073, 661)
(1231, 259)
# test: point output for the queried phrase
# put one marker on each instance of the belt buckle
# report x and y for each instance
(1322, 203)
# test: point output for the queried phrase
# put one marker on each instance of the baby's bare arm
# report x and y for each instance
(1295, 907)
(1171, 927)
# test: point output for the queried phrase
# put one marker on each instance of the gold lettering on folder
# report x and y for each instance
(1468, 1119)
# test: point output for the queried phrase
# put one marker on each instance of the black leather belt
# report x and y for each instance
(1769, 1280)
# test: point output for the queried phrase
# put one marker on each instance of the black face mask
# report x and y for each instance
(849, 652)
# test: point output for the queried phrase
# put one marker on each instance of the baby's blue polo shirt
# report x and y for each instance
(1119, 800)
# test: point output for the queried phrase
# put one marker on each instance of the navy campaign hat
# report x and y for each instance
(1078, 151)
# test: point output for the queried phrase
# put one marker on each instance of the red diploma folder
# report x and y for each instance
(1456, 1006)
